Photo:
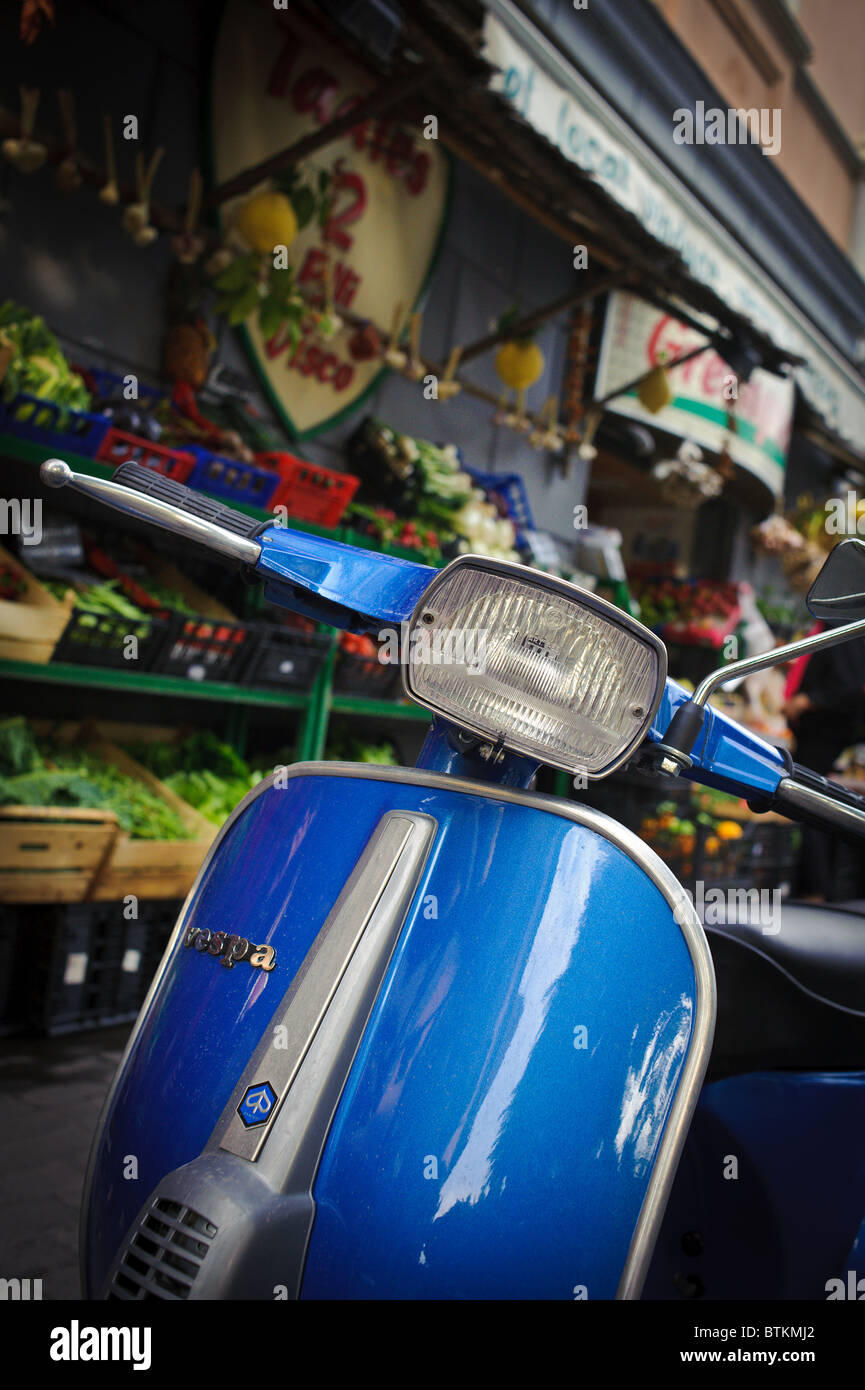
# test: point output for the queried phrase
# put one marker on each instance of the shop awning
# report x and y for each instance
(509, 103)
(552, 97)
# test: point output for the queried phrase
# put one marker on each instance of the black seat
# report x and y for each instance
(791, 999)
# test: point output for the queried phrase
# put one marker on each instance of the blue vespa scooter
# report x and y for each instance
(423, 1033)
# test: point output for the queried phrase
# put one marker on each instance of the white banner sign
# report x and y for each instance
(754, 427)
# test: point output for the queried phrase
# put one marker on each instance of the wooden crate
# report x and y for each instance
(30, 626)
(150, 868)
(52, 854)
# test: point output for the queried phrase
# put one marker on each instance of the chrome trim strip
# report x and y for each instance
(813, 802)
(584, 598)
(648, 1224)
(365, 922)
(57, 473)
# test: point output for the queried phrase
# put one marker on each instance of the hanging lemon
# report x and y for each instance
(267, 220)
(654, 390)
(519, 363)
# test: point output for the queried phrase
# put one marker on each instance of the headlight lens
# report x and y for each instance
(536, 664)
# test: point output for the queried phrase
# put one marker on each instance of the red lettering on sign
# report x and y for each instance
(313, 265)
(315, 91)
(281, 70)
(346, 283)
(312, 360)
(327, 368)
(346, 182)
(400, 151)
(417, 179)
(377, 143)
(276, 344)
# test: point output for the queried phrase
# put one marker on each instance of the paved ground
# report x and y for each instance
(51, 1091)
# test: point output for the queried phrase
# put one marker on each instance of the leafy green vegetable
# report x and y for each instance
(18, 751)
(38, 365)
(207, 773)
(48, 773)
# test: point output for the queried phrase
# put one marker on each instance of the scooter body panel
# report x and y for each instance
(770, 1192)
(510, 1122)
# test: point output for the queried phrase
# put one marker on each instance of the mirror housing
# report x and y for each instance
(838, 592)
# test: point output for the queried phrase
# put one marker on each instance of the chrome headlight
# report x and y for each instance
(534, 664)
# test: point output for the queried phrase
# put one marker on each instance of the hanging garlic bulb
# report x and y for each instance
(136, 216)
(68, 175)
(189, 244)
(109, 193)
(449, 386)
(24, 152)
(414, 368)
(394, 355)
(587, 450)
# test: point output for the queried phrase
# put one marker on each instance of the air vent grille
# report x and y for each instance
(163, 1255)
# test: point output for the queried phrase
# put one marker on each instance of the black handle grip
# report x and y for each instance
(807, 796)
(845, 795)
(140, 479)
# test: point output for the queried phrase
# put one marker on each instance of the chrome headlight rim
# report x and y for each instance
(538, 579)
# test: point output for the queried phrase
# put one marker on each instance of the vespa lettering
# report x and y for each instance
(230, 949)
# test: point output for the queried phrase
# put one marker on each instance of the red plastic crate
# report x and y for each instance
(119, 447)
(309, 492)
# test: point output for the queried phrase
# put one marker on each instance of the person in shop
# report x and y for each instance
(825, 708)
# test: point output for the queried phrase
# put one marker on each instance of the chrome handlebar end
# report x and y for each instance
(55, 473)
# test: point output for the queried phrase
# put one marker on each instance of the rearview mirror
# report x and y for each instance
(838, 592)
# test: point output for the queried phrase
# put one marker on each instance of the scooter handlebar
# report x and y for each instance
(140, 492)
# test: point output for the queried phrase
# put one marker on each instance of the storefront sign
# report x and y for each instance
(271, 87)
(561, 105)
(754, 426)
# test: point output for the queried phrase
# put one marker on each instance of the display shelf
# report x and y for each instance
(377, 709)
(147, 683)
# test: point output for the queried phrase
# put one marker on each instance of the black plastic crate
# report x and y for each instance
(131, 975)
(774, 854)
(207, 649)
(101, 639)
(13, 1000)
(366, 676)
(764, 857)
(94, 965)
(161, 917)
(287, 659)
(77, 952)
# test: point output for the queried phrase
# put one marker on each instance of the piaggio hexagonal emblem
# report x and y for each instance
(257, 1104)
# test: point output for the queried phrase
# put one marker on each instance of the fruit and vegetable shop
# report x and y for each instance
(403, 276)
